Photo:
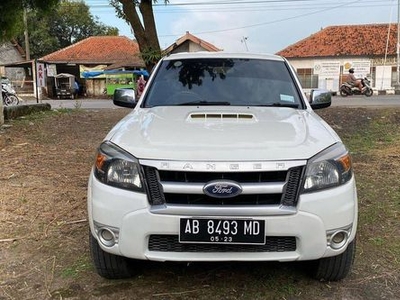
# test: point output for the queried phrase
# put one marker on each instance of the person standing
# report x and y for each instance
(141, 83)
(76, 88)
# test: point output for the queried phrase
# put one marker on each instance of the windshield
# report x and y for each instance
(239, 82)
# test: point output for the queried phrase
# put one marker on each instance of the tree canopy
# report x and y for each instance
(69, 23)
(11, 17)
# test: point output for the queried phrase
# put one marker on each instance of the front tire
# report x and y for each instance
(9, 99)
(343, 92)
(369, 92)
(108, 265)
(336, 267)
(12, 100)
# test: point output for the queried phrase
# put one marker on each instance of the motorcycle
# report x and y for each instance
(9, 95)
(348, 89)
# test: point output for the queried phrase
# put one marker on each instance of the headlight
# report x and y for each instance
(118, 168)
(331, 167)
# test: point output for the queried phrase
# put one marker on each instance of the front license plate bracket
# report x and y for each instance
(222, 231)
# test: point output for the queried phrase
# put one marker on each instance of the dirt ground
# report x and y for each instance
(46, 160)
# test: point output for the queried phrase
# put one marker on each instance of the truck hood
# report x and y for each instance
(222, 133)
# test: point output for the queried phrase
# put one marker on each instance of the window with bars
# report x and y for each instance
(307, 79)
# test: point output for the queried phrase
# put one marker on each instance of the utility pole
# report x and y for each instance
(26, 35)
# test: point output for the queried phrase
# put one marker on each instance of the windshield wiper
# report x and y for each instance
(279, 104)
(203, 102)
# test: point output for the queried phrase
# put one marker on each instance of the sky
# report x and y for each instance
(252, 25)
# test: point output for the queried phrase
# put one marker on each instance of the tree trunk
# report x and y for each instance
(146, 32)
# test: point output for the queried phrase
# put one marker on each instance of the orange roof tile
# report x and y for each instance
(99, 50)
(352, 40)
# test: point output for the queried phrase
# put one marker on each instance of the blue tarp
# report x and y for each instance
(89, 74)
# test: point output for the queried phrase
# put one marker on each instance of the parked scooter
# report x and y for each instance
(9, 95)
(348, 89)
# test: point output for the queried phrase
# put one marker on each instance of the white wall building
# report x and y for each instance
(323, 59)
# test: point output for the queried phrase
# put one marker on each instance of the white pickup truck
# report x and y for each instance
(223, 159)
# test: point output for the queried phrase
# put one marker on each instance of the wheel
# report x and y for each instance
(368, 92)
(108, 265)
(12, 100)
(336, 267)
(343, 92)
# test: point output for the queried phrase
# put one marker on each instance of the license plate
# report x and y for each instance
(222, 231)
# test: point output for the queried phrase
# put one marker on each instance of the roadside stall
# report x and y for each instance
(116, 79)
(120, 79)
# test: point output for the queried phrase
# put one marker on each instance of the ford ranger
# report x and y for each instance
(223, 159)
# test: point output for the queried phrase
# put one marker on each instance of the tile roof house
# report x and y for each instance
(108, 53)
(105, 50)
(11, 52)
(190, 43)
(96, 53)
(347, 40)
(369, 48)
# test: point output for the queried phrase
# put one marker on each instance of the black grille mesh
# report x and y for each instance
(154, 187)
(266, 199)
(242, 177)
(170, 243)
(287, 198)
(290, 192)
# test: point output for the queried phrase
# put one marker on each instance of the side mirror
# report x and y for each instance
(125, 97)
(320, 98)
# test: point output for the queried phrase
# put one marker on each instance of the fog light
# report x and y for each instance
(338, 239)
(107, 237)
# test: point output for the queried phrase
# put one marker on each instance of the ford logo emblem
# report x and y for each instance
(222, 189)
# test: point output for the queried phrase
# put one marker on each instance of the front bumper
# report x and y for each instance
(133, 221)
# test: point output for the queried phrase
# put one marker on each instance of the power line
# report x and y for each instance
(175, 8)
(269, 22)
(243, 2)
(242, 6)
(255, 9)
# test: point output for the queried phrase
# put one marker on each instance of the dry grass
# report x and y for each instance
(43, 239)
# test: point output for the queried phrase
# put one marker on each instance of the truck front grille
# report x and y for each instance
(170, 243)
(269, 199)
(187, 187)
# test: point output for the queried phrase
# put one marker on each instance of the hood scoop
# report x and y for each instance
(215, 117)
